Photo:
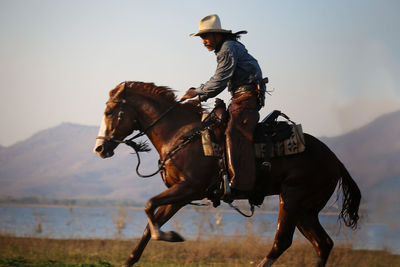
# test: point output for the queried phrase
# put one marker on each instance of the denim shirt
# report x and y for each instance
(235, 67)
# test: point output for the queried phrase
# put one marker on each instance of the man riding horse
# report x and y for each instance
(240, 72)
(304, 181)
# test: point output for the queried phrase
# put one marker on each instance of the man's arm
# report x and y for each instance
(218, 82)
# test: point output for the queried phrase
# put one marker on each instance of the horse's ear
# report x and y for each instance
(121, 88)
(118, 90)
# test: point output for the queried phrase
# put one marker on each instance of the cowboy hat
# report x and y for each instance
(211, 23)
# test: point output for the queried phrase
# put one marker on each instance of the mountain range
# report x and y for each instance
(59, 163)
(372, 155)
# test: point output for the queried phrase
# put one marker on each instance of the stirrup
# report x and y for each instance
(227, 188)
(266, 165)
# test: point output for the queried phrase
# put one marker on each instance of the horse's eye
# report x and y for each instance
(108, 112)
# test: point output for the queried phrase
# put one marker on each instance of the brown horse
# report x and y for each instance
(306, 181)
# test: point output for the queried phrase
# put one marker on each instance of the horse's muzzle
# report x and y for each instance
(103, 150)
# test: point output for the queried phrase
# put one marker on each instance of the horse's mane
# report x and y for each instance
(166, 93)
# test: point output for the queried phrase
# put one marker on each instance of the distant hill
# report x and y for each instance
(59, 163)
(372, 155)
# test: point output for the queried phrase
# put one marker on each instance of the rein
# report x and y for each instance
(143, 147)
(186, 140)
(141, 133)
(139, 147)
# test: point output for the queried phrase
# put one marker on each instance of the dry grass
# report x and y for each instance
(234, 252)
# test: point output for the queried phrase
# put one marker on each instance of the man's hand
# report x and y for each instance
(189, 94)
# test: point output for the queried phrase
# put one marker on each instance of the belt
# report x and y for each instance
(244, 88)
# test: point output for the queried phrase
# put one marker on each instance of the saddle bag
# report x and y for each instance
(273, 138)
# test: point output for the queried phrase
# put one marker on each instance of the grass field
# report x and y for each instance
(236, 252)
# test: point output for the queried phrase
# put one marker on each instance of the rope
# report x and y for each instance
(138, 164)
(168, 156)
(241, 212)
(199, 204)
(141, 133)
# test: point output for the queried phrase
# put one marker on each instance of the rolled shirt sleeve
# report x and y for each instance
(226, 61)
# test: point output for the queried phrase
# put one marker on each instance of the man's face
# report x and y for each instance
(210, 40)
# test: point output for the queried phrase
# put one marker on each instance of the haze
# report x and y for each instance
(333, 65)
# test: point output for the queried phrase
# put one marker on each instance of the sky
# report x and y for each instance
(333, 66)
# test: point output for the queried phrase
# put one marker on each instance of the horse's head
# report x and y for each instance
(140, 106)
(118, 122)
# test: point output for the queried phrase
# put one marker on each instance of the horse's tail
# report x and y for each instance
(351, 199)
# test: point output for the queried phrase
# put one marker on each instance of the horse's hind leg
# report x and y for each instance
(163, 214)
(312, 229)
(283, 237)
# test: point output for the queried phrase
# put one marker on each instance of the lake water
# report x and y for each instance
(192, 223)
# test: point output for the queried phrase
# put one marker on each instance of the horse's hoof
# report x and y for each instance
(128, 264)
(174, 237)
(131, 261)
(266, 262)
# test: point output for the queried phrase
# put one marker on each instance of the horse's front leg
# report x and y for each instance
(181, 193)
(163, 214)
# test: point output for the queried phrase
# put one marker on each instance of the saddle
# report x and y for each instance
(272, 138)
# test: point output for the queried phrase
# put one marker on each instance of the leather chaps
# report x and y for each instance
(243, 118)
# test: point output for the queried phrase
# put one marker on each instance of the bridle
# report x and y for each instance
(140, 146)
(141, 132)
